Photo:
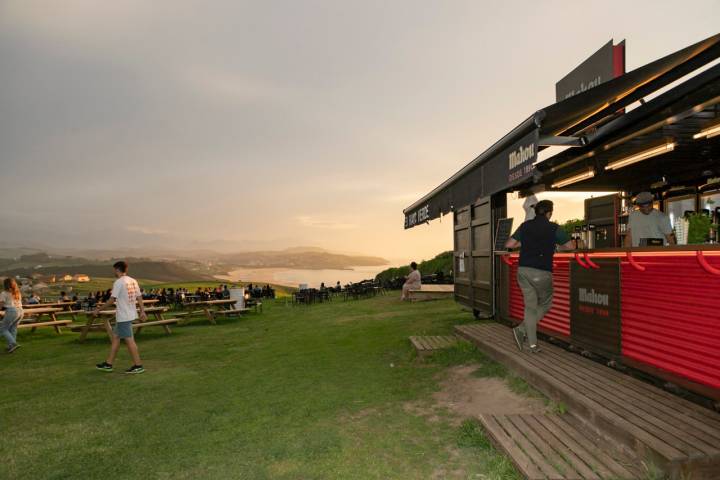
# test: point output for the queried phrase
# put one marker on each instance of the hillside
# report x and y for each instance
(302, 258)
(441, 263)
(150, 270)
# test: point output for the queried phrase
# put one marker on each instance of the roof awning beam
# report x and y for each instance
(560, 141)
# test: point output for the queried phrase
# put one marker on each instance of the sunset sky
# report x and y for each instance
(236, 125)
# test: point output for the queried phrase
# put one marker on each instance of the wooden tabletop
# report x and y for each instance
(39, 311)
(147, 310)
(213, 302)
(35, 306)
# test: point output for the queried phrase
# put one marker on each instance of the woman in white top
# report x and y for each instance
(11, 302)
(412, 282)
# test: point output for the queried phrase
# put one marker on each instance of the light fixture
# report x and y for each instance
(638, 157)
(709, 132)
(590, 173)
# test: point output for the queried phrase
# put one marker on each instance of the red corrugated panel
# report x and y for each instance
(671, 316)
(557, 320)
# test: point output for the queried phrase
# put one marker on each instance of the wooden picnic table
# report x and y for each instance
(33, 319)
(107, 315)
(211, 308)
(35, 306)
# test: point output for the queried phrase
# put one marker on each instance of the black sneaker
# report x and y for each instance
(535, 349)
(135, 369)
(12, 348)
(104, 366)
(519, 338)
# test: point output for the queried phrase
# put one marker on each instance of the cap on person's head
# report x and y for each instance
(543, 207)
(644, 198)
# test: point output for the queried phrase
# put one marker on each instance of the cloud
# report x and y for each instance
(230, 86)
(146, 230)
(315, 222)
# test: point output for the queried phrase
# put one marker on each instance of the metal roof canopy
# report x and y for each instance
(567, 122)
(673, 117)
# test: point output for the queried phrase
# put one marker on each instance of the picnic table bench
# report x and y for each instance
(33, 319)
(107, 315)
(211, 308)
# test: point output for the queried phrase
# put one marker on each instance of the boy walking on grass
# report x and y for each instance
(125, 295)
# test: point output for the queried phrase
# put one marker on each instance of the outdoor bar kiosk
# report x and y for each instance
(655, 309)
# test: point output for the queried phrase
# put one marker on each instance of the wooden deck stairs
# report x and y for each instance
(622, 416)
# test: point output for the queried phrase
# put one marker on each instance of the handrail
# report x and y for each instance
(590, 262)
(706, 265)
(634, 264)
(580, 262)
(506, 260)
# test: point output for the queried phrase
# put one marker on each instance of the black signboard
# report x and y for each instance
(595, 306)
(512, 166)
(603, 65)
(502, 234)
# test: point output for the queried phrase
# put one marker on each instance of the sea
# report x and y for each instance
(295, 277)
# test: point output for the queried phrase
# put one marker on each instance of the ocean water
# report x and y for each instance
(294, 277)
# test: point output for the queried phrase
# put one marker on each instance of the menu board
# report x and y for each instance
(503, 232)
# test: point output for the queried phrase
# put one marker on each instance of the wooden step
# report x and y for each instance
(431, 292)
(426, 345)
(550, 447)
(680, 437)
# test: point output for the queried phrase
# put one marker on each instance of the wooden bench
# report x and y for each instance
(52, 323)
(431, 292)
(165, 322)
(557, 447)
(678, 436)
(231, 311)
(33, 319)
(253, 303)
(425, 346)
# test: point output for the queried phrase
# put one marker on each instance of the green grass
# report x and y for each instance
(293, 393)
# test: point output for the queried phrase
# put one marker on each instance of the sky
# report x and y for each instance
(234, 125)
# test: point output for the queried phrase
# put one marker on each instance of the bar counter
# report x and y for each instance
(656, 309)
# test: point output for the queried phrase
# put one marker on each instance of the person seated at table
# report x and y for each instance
(338, 287)
(33, 299)
(412, 282)
(106, 296)
(63, 297)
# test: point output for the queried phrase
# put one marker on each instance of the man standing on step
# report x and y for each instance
(125, 295)
(537, 239)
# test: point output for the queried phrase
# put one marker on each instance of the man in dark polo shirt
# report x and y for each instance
(537, 239)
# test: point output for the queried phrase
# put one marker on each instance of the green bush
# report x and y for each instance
(441, 263)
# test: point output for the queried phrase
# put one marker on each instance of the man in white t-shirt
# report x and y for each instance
(646, 222)
(125, 296)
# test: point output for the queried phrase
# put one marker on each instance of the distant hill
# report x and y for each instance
(148, 270)
(302, 258)
(200, 264)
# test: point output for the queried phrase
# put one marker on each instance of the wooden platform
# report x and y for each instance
(678, 436)
(431, 292)
(427, 345)
(556, 447)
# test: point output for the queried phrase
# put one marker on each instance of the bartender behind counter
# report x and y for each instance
(647, 224)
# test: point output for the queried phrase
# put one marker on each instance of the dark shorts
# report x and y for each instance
(123, 329)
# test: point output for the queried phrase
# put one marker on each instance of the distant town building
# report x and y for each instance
(66, 278)
(81, 278)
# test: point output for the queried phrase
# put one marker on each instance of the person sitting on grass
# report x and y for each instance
(412, 282)
(11, 302)
(125, 295)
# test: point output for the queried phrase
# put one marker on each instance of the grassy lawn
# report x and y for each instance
(292, 393)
